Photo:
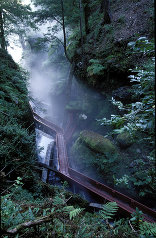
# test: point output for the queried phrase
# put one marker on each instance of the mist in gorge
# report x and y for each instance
(46, 80)
(74, 108)
(77, 118)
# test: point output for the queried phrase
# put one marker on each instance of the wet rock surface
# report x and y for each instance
(97, 142)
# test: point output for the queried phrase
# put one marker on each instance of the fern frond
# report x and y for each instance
(68, 209)
(108, 210)
(148, 228)
(83, 233)
(58, 201)
(75, 212)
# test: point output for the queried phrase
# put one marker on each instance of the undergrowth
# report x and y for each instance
(138, 120)
(57, 216)
(17, 147)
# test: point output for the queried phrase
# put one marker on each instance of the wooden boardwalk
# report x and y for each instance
(62, 154)
(125, 203)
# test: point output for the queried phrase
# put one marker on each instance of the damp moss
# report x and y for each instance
(98, 143)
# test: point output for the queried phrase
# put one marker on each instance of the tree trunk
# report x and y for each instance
(81, 31)
(86, 15)
(64, 32)
(28, 224)
(69, 83)
(105, 8)
(2, 38)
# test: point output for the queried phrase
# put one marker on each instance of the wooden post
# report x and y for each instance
(47, 179)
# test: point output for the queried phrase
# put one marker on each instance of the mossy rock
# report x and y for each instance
(81, 150)
(98, 143)
(124, 140)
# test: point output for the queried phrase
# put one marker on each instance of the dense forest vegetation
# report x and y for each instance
(110, 47)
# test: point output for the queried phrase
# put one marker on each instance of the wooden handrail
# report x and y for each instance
(124, 202)
(113, 192)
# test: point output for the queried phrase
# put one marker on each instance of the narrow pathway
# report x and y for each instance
(124, 202)
(62, 154)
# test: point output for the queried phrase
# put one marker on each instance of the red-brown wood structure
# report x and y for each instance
(126, 204)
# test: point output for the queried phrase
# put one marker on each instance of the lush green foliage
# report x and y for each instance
(17, 148)
(146, 229)
(139, 119)
(31, 214)
(56, 214)
(16, 18)
(109, 210)
(101, 47)
(95, 68)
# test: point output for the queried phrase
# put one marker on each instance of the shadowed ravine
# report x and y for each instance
(125, 203)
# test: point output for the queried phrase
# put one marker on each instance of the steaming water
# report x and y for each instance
(15, 49)
(42, 81)
(43, 140)
(47, 90)
(45, 143)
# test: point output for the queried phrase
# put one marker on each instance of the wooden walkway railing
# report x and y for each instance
(125, 203)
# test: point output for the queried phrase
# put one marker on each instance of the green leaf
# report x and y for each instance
(148, 228)
(108, 210)
(58, 201)
(75, 212)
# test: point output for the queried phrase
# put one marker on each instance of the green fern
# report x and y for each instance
(75, 212)
(96, 68)
(68, 209)
(108, 210)
(58, 201)
(83, 233)
(148, 228)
